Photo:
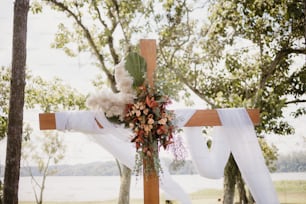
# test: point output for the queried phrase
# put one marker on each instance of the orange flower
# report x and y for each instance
(150, 101)
(150, 122)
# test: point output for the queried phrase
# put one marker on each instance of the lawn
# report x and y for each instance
(289, 192)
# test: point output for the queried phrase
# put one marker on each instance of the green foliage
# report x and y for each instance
(199, 53)
(270, 154)
(268, 22)
(48, 149)
(252, 46)
(48, 96)
(51, 150)
(247, 57)
(36, 7)
(3, 126)
(137, 68)
(38, 95)
(4, 100)
(62, 97)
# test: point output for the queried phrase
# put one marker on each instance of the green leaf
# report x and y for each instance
(137, 67)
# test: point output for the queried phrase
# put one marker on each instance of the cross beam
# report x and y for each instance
(47, 121)
(199, 118)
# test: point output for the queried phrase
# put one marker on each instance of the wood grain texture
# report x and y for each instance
(148, 52)
(151, 182)
(150, 185)
(211, 118)
(200, 118)
(47, 121)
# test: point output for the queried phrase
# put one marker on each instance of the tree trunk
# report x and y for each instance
(305, 22)
(230, 174)
(245, 196)
(250, 198)
(15, 116)
(243, 199)
(124, 194)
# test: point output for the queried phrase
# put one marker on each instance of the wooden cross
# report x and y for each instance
(199, 118)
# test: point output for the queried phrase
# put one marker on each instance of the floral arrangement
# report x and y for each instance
(142, 109)
(152, 126)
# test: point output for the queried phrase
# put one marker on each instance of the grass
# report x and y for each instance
(289, 192)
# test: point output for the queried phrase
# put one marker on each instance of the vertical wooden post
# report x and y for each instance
(150, 182)
(148, 52)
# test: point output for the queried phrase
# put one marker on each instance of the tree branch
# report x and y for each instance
(199, 94)
(126, 37)
(295, 101)
(279, 56)
(109, 31)
(110, 38)
(99, 14)
(88, 36)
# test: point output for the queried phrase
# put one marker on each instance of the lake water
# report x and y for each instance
(98, 188)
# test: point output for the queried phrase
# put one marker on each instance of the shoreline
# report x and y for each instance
(103, 188)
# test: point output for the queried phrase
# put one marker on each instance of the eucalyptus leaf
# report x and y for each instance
(137, 68)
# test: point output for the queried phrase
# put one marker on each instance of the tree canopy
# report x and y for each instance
(38, 95)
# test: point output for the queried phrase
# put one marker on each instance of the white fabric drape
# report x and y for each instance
(116, 140)
(210, 163)
(236, 135)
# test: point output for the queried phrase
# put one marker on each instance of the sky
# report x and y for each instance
(46, 62)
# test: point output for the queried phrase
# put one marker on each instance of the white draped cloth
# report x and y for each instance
(236, 136)
(116, 140)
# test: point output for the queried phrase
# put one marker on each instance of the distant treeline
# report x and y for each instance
(293, 162)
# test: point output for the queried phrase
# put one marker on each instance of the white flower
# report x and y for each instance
(113, 104)
(150, 121)
(124, 80)
(162, 121)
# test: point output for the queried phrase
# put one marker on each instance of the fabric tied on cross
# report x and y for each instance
(116, 140)
(236, 136)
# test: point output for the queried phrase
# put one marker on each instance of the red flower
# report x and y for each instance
(161, 130)
(166, 143)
